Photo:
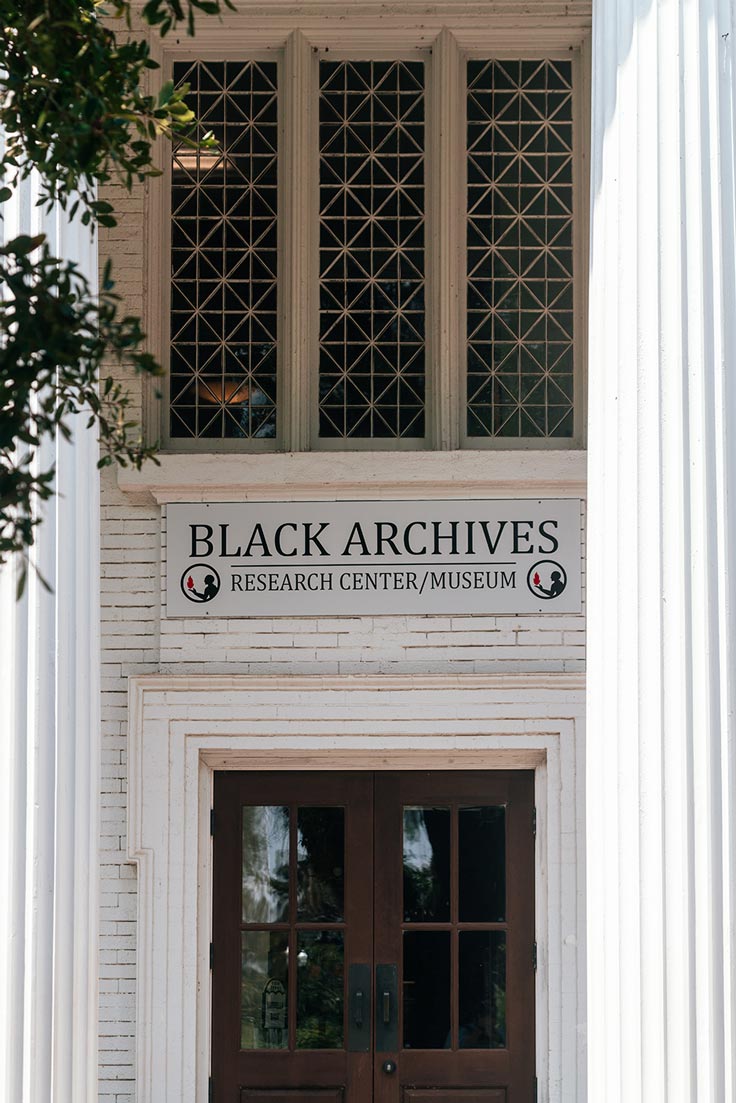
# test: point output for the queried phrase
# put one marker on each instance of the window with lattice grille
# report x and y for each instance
(364, 264)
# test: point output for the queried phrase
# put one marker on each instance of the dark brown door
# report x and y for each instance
(373, 938)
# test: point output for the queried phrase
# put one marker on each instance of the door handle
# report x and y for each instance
(359, 1004)
(358, 1008)
(387, 1010)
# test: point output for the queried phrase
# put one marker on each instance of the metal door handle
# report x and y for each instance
(387, 1009)
(359, 1005)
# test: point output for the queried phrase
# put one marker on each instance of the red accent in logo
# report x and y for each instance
(190, 583)
(536, 578)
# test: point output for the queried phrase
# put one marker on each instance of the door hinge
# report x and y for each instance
(212, 821)
(210, 1091)
(536, 1089)
(212, 955)
(534, 956)
(534, 822)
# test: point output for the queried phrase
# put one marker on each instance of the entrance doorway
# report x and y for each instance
(373, 938)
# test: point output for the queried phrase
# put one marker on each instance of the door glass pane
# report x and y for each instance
(263, 990)
(320, 862)
(426, 987)
(482, 989)
(319, 984)
(426, 865)
(482, 862)
(265, 864)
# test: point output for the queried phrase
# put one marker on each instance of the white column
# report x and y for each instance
(661, 770)
(49, 764)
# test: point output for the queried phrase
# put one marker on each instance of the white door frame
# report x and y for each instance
(183, 728)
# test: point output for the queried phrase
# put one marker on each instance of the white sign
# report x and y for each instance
(271, 559)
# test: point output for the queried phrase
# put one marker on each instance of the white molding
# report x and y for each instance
(293, 476)
(182, 728)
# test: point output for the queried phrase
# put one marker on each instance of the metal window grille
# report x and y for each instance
(223, 256)
(372, 219)
(520, 249)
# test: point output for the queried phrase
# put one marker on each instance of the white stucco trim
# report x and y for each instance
(183, 728)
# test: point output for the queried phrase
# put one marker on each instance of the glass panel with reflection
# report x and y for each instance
(265, 864)
(426, 865)
(482, 1001)
(263, 990)
(319, 990)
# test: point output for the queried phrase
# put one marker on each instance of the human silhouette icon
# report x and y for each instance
(210, 589)
(556, 585)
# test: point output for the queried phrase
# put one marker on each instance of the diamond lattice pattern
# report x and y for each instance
(520, 255)
(223, 255)
(372, 344)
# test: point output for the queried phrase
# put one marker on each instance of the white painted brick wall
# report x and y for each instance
(136, 639)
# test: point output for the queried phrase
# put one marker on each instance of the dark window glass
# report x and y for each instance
(223, 255)
(482, 862)
(372, 343)
(320, 861)
(520, 249)
(426, 981)
(482, 990)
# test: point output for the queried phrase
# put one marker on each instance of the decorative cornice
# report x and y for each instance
(305, 476)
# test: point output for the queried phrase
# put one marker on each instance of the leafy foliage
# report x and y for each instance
(75, 109)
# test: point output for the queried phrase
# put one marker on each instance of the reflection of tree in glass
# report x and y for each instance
(265, 864)
(426, 864)
(320, 860)
(319, 1016)
(264, 960)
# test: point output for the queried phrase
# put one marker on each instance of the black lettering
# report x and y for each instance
(554, 542)
(236, 583)
(493, 544)
(257, 539)
(196, 540)
(451, 536)
(356, 537)
(223, 545)
(407, 545)
(277, 538)
(521, 536)
(313, 538)
(508, 581)
(470, 525)
(381, 539)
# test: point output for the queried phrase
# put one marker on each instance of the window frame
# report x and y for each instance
(297, 50)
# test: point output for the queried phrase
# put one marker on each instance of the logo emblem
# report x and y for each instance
(547, 579)
(200, 583)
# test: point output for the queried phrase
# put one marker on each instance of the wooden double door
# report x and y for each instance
(373, 938)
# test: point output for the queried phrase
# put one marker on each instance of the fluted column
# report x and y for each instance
(49, 763)
(661, 771)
